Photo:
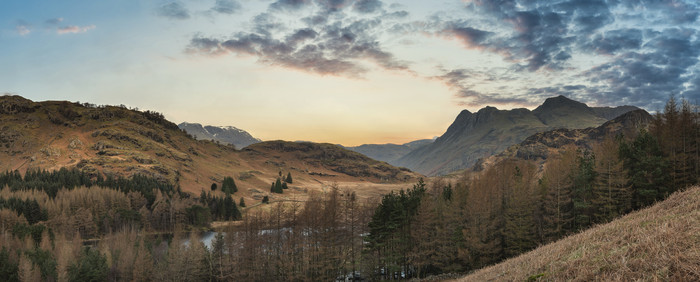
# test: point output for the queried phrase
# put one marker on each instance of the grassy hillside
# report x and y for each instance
(661, 242)
(109, 140)
(306, 156)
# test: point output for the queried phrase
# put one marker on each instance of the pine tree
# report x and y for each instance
(232, 212)
(229, 185)
(583, 178)
(288, 179)
(92, 266)
(8, 269)
(213, 186)
(241, 203)
(277, 187)
(647, 169)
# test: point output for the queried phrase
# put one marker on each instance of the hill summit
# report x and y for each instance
(115, 141)
(477, 135)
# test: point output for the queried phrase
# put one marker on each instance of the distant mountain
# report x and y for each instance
(611, 113)
(389, 152)
(224, 134)
(477, 135)
(562, 112)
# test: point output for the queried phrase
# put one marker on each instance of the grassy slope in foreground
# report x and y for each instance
(661, 242)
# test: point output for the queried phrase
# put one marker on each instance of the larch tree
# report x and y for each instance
(611, 193)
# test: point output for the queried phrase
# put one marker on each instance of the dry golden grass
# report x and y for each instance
(660, 243)
(113, 140)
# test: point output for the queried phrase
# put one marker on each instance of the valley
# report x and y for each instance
(108, 175)
(349, 140)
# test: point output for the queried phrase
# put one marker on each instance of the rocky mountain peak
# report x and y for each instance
(560, 102)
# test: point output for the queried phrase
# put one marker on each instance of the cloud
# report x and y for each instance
(601, 52)
(635, 52)
(464, 83)
(470, 36)
(53, 22)
(367, 6)
(666, 63)
(74, 29)
(676, 11)
(328, 6)
(226, 6)
(289, 5)
(615, 41)
(340, 47)
(173, 10)
(531, 34)
(333, 5)
(23, 27)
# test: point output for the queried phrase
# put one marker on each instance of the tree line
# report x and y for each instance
(515, 206)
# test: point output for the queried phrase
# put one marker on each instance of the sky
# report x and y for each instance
(348, 71)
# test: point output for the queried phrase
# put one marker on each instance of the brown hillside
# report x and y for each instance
(119, 141)
(661, 242)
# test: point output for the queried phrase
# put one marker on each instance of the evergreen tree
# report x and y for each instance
(232, 212)
(277, 187)
(265, 200)
(288, 179)
(46, 262)
(8, 269)
(203, 198)
(583, 179)
(213, 186)
(229, 186)
(647, 169)
(389, 229)
(92, 266)
(241, 203)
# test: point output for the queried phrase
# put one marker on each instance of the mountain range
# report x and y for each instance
(115, 140)
(224, 134)
(473, 136)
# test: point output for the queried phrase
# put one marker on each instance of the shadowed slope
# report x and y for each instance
(661, 242)
(473, 136)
